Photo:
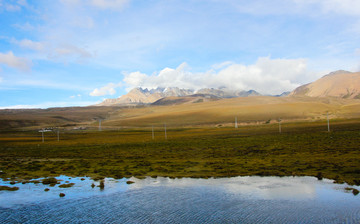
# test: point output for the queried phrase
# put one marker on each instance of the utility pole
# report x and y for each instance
(236, 124)
(153, 137)
(58, 135)
(100, 124)
(328, 122)
(42, 135)
(279, 125)
(165, 131)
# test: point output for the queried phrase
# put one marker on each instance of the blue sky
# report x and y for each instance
(79, 52)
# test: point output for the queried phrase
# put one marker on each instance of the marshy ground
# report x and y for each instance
(301, 149)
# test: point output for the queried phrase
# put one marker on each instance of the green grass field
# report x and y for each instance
(301, 149)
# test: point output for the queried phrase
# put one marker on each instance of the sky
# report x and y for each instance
(78, 52)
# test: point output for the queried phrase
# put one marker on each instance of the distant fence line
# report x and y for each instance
(163, 127)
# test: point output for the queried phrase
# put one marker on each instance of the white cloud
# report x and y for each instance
(100, 4)
(268, 76)
(346, 7)
(222, 65)
(68, 50)
(12, 8)
(83, 22)
(74, 96)
(167, 77)
(307, 7)
(33, 45)
(357, 52)
(109, 89)
(135, 79)
(109, 4)
(69, 53)
(22, 2)
(11, 60)
(51, 104)
(54, 84)
(24, 27)
(70, 2)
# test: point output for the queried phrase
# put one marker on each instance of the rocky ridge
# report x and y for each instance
(145, 96)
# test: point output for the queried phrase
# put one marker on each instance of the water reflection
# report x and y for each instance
(259, 187)
(34, 192)
(184, 200)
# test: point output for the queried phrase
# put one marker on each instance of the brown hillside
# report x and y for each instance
(341, 84)
(248, 110)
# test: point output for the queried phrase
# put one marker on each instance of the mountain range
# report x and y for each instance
(336, 94)
(146, 96)
(341, 84)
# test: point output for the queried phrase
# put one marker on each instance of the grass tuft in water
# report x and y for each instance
(102, 184)
(6, 188)
(66, 185)
(50, 180)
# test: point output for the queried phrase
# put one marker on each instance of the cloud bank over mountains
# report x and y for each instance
(267, 76)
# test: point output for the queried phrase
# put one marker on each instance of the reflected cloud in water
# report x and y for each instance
(254, 186)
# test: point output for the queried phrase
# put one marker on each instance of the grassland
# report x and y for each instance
(303, 148)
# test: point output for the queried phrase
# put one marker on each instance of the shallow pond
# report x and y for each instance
(185, 200)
